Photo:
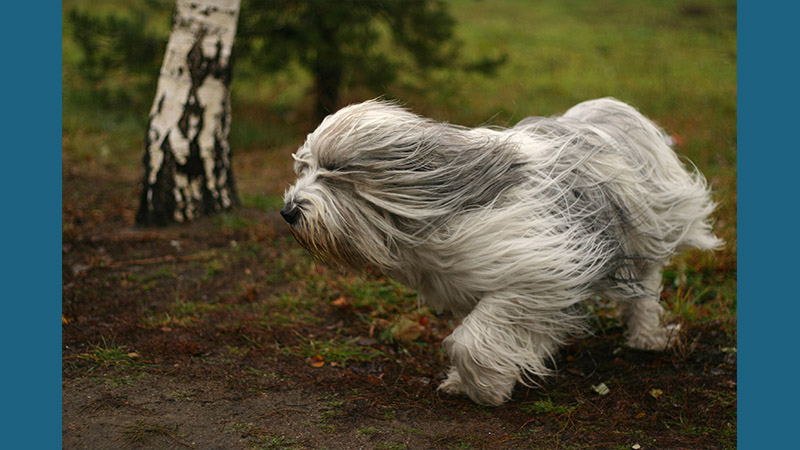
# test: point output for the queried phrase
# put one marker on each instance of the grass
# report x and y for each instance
(109, 353)
(335, 350)
(138, 432)
(390, 446)
(546, 407)
(271, 442)
(260, 440)
(180, 313)
(368, 431)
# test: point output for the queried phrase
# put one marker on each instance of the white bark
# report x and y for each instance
(187, 158)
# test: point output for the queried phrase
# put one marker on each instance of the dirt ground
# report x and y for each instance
(224, 334)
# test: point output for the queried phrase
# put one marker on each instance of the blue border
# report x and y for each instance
(768, 236)
(31, 184)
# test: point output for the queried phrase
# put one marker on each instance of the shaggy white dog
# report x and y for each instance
(508, 229)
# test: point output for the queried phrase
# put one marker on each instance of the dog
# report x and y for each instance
(509, 229)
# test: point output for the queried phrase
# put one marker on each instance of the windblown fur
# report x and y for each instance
(508, 229)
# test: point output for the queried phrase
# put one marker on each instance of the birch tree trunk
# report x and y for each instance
(187, 160)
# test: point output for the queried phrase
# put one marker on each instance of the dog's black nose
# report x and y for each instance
(290, 213)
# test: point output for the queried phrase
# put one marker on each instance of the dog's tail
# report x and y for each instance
(677, 194)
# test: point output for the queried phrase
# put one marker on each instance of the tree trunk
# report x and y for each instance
(327, 69)
(187, 160)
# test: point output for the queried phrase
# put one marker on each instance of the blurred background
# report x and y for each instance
(468, 62)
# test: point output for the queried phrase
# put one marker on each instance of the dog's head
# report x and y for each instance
(374, 178)
(341, 207)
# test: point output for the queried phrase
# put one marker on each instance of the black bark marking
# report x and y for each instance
(159, 209)
(160, 106)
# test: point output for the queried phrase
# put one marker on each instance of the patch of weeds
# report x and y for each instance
(258, 373)
(381, 295)
(285, 310)
(237, 351)
(686, 426)
(147, 282)
(212, 269)
(137, 432)
(331, 410)
(262, 201)
(407, 430)
(367, 431)
(463, 443)
(232, 222)
(328, 427)
(336, 351)
(272, 442)
(259, 440)
(245, 250)
(726, 400)
(546, 407)
(180, 313)
(110, 354)
(390, 446)
(696, 292)
(182, 394)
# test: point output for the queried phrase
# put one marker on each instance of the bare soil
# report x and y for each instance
(224, 334)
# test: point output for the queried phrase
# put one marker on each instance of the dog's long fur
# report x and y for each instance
(508, 229)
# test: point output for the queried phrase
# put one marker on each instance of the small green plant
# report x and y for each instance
(337, 351)
(109, 353)
(212, 269)
(137, 432)
(390, 446)
(546, 407)
(270, 442)
(367, 431)
(182, 394)
(180, 313)
(238, 427)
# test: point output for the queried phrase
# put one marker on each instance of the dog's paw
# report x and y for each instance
(659, 339)
(481, 394)
(452, 385)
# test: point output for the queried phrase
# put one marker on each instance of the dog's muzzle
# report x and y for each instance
(291, 213)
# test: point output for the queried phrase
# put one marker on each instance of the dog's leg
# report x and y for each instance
(645, 317)
(491, 348)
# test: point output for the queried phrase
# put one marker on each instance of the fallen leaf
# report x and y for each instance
(655, 393)
(133, 355)
(64, 320)
(601, 389)
(404, 330)
(341, 301)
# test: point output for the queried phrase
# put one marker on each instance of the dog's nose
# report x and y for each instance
(290, 213)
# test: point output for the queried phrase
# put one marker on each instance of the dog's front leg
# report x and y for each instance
(495, 344)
